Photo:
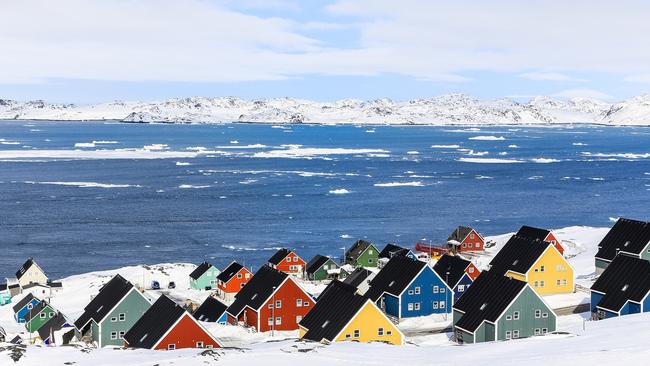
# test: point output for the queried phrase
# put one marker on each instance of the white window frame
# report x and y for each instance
(199, 344)
(121, 317)
(171, 347)
(508, 334)
(417, 290)
(442, 304)
(410, 306)
(380, 332)
(357, 333)
(436, 289)
(416, 306)
(113, 336)
(461, 288)
(515, 315)
(298, 303)
(515, 333)
(278, 320)
(270, 321)
(278, 304)
(538, 313)
(435, 305)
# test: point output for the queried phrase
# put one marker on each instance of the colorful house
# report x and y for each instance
(38, 316)
(211, 311)
(5, 296)
(627, 237)
(111, 313)
(537, 262)
(540, 234)
(232, 279)
(322, 268)
(271, 300)
(27, 303)
(341, 315)
(57, 330)
(622, 289)
(391, 250)
(167, 326)
(30, 272)
(407, 288)
(360, 278)
(456, 273)
(204, 277)
(465, 239)
(497, 308)
(362, 254)
(43, 291)
(287, 261)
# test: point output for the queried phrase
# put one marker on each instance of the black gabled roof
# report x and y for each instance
(109, 295)
(316, 262)
(36, 310)
(357, 277)
(487, 299)
(200, 270)
(52, 325)
(210, 311)
(336, 306)
(454, 265)
(356, 249)
(24, 301)
(257, 290)
(154, 323)
(518, 255)
(229, 272)
(28, 263)
(460, 233)
(531, 232)
(279, 256)
(391, 250)
(626, 278)
(394, 277)
(626, 235)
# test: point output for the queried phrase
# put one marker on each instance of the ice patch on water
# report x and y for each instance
(579, 144)
(502, 153)
(400, 184)
(298, 152)
(370, 131)
(487, 138)
(544, 160)
(339, 191)
(413, 152)
(477, 153)
(445, 146)
(248, 181)
(183, 163)
(253, 146)
(597, 178)
(513, 146)
(535, 177)
(288, 195)
(86, 184)
(378, 155)
(346, 236)
(95, 154)
(196, 148)
(472, 129)
(191, 186)
(234, 142)
(489, 161)
(618, 155)
(483, 177)
(7, 142)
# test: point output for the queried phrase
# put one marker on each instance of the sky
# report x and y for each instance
(89, 51)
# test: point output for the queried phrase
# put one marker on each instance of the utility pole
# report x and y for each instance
(446, 302)
(343, 258)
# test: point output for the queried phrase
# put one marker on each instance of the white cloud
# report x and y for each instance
(643, 78)
(548, 76)
(582, 93)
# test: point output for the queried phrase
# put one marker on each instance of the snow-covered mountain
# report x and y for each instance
(440, 110)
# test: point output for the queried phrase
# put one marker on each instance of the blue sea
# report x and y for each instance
(81, 196)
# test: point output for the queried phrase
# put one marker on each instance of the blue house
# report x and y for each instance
(407, 288)
(622, 289)
(22, 308)
(212, 310)
(454, 270)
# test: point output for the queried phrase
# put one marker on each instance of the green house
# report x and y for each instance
(362, 254)
(111, 313)
(204, 277)
(322, 268)
(499, 308)
(38, 316)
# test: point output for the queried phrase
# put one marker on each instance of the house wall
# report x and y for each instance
(249, 317)
(555, 268)
(292, 260)
(368, 258)
(645, 253)
(20, 315)
(37, 322)
(288, 293)
(595, 299)
(186, 334)
(472, 271)
(601, 265)
(207, 279)
(456, 315)
(321, 273)
(368, 321)
(235, 284)
(646, 304)
(463, 336)
(472, 242)
(526, 304)
(465, 282)
(132, 306)
(427, 281)
(33, 275)
(485, 333)
(390, 305)
(553, 240)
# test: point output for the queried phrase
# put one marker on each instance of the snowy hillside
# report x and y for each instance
(440, 110)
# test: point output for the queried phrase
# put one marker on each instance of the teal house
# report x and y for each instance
(362, 254)
(111, 313)
(499, 308)
(204, 277)
(5, 296)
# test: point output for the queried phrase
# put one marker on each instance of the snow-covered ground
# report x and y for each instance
(585, 342)
(440, 110)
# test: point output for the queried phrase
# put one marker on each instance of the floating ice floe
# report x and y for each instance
(413, 152)
(86, 184)
(445, 146)
(253, 146)
(513, 146)
(618, 155)
(544, 160)
(400, 184)
(346, 236)
(156, 147)
(489, 161)
(298, 152)
(487, 138)
(183, 163)
(579, 144)
(191, 186)
(339, 191)
(483, 177)
(95, 154)
(535, 177)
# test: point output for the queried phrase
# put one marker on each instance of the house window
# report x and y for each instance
(471, 236)
(464, 245)
(270, 321)
(461, 288)
(51, 314)
(558, 282)
(305, 303)
(199, 344)
(171, 347)
(538, 314)
(537, 331)
(380, 332)
(121, 334)
(417, 306)
(436, 289)
(536, 284)
(357, 333)
(292, 267)
(288, 259)
(113, 335)
(295, 259)
(122, 317)
(299, 303)
(369, 260)
(389, 332)
(435, 304)
(442, 290)
(248, 275)
(43, 315)
(410, 292)
(471, 269)
(278, 320)
(370, 252)
(271, 306)
(278, 304)
(442, 304)
(410, 306)
(515, 333)
(30, 306)
(417, 290)
(241, 285)
(508, 334)
(298, 319)
(239, 276)
(545, 315)
(541, 269)
(508, 317)
(564, 282)
(544, 330)
(347, 336)
(541, 283)
(515, 315)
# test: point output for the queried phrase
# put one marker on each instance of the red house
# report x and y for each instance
(287, 261)
(533, 233)
(472, 271)
(232, 279)
(466, 239)
(271, 300)
(167, 326)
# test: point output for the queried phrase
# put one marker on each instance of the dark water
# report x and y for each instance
(252, 204)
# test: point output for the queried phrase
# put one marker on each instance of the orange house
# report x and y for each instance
(540, 234)
(472, 271)
(466, 239)
(271, 300)
(232, 279)
(167, 326)
(287, 261)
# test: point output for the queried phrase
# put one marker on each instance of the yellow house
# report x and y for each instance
(340, 314)
(537, 262)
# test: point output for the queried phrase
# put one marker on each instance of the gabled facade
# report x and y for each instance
(537, 262)
(57, 330)
(322, 268)
(498, 308)
(232, 279)
(111, 313)
(362, 254)
(27, 303)
(341, 314)
(627, 237)
(466, 239)
(30, 272)
(533, 233)
(271, 300)
(204, 277)
(455, 271)
(287, 261)
(360, 278)
(391, 250)
(622, 289)
(211, 311)
(408, 288)
(38, 316)
(167, 326)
